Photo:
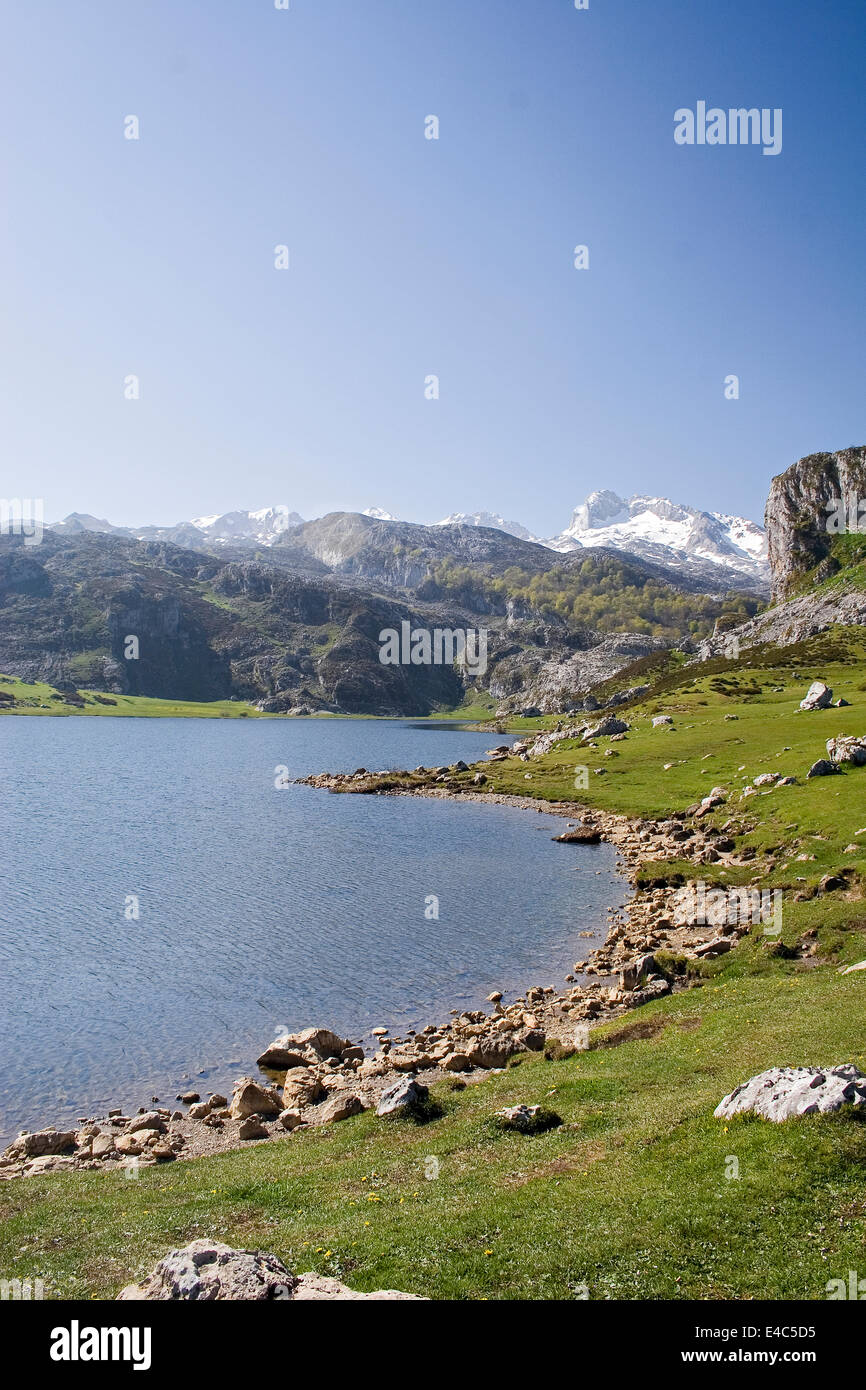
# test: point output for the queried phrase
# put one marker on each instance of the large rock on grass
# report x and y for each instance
(818, 696)
(784, 1092)
(207, 1270)
(846, 748)
(405, 1097)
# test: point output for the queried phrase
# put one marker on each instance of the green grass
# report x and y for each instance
(707, 750)
(629, 1197)
(37, 698)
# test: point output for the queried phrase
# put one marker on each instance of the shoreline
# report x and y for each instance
(617, 977)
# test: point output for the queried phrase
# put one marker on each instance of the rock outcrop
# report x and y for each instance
(799, 508)
(207, 1270)
(784, 1092)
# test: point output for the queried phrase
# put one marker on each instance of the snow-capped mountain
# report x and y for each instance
(492, 519)
(262, 526)
(657, 529)
(653, 528)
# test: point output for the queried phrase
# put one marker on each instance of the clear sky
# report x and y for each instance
(411, 257)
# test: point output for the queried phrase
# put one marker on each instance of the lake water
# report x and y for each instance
(258, 909)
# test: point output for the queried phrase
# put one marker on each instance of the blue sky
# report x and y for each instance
(411, 257)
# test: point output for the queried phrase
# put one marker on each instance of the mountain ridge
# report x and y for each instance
(667, 533)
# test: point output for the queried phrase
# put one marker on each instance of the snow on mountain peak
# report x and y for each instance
(262, 526)
(491, 519)
(378, 514)
(657, 529)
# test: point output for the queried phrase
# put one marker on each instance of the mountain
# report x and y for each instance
(297, 625)
(658, 529)
(378, 514)
(261, 527)
(227, 528)
(77, 522)
(729, 551)
(493, 521)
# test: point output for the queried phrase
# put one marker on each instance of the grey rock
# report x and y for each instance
(608, 726)
(818, 696)
(403, 1095)
(846, 748)
(207, 1270)
(822, 768)
(798, 510)
(636, 970)
(785, 1092)
(527, 1119)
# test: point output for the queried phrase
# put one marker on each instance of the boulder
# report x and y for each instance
(527, 1119)
(490, 1052)
(128, 1144)
(150, 1120)
(846, 748)
(340, 1107)
(249, 1098)
(818, 696)
(580, 836)
(207, 1270)
(661, 719)
(252, 1128)
(822, 768)
(608, 726)
(785, 1092)
(714, 798)
(44, 1141)
(636, 970)
(301, 1087)
(48, 1163)
(290, 1119)
(321, 1042)
(280, 1055)
(404, 1096)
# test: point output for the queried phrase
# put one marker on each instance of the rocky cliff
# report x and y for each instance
(799, 539)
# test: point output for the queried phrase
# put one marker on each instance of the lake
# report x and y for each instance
(258, 909)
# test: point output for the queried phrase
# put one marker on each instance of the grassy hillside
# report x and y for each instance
(632, 1197)
(38, 698)
(629, 1197)
(659, 771)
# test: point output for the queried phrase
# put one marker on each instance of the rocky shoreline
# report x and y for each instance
(318, 1078)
